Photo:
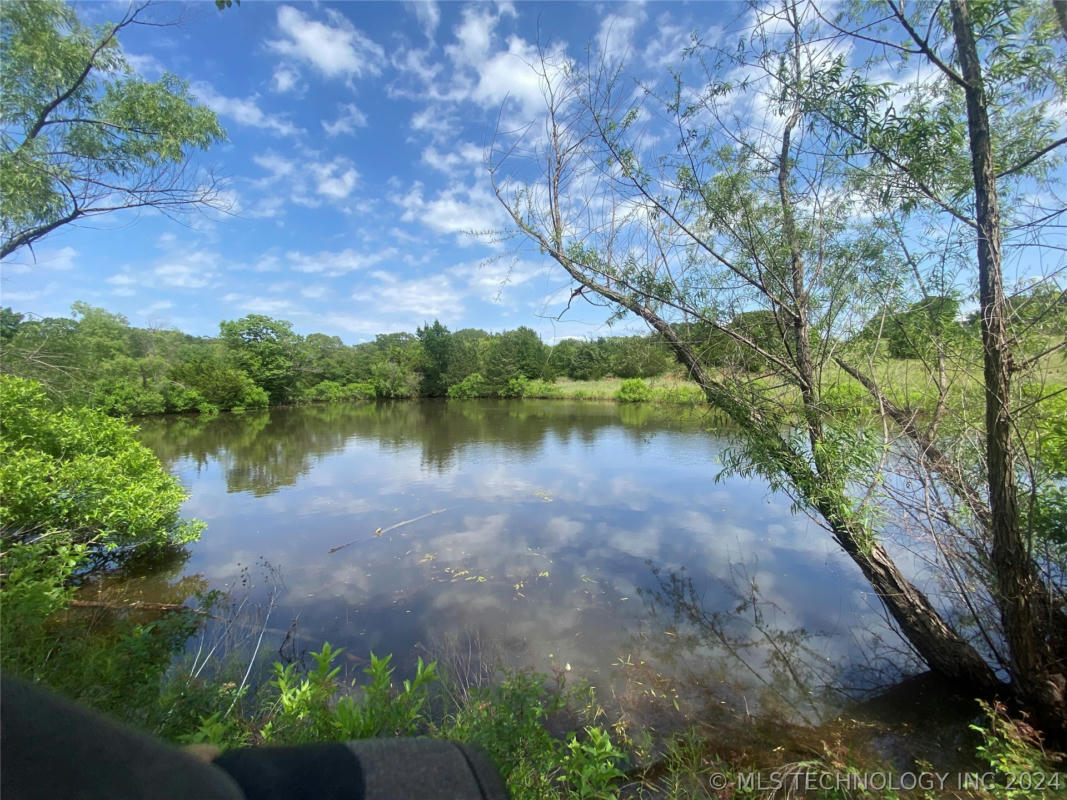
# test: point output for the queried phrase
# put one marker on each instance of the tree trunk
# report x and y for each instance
(1038, 678)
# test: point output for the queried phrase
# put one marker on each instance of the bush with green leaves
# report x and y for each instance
(334, 392)
(318, 707)
(634, 390)
(514, 388)
(81, 476)
(542, 389)
(77, 487)
(1023, 768)
(591, 765)
(682, 395)
(474, 385)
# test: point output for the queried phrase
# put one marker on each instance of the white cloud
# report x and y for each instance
(428, 15)
(27, 296)
(269, 263)
(61, 259)
(431, 296)
(489, 279)
(361, 325)
(616, 34)
(349, 119)
(510, 75)
(473, 36)
(665, 48)
(464, 156)
(147, 66)
(308, 181)
(434, 119)
(193, 270)
(333, 264)
(276, 165)
(458, 209)
(335, 179)
(270, 306)
(335, 48)
(152, 308)
(243, 111)
(284, 79)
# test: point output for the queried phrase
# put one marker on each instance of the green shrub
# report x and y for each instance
(333, 392)
(119, 397)
(470, 387)
(253, 397)
(543, 389)
(634, 390)
(77, 486)
(683, 395)
(1016, 754)
(306, 708)
(591, 766)
(394, 381)
(325, 392)
(515, 387)
(359, 390)
(79, 476)
(179, 399)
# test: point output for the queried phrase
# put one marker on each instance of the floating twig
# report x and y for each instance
(380, 531)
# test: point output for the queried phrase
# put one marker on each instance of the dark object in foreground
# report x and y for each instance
(51, 747)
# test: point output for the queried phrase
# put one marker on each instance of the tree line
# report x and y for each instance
(96, 358)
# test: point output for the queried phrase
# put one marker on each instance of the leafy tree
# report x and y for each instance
(83, 136)
(325, 358)
(266, 349)
(923, 328)
(514, 354)
(747, 213)
(439, 351)
(588, 363)
(9, 323)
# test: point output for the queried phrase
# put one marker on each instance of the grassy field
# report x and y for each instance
(908, 382)
(607, 388)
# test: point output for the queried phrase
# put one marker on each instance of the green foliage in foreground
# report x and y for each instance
(77, 487)
(508, 719)
(79, 474)
(79, 492)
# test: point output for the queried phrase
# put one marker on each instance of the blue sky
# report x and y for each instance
(354, 166)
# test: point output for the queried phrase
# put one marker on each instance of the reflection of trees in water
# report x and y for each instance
(151, 576)
(735, 654)
(263, 451)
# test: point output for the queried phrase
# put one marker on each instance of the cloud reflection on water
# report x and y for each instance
(557, 516)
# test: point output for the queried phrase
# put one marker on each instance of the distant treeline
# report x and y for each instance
(96, 358)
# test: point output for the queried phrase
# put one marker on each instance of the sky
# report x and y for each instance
(354, 168)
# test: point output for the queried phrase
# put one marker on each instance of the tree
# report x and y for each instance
(926, 326)
(760, 211)
(514, 354)
(9, 323)
(82, 136)
(438, 349)
(266, 349)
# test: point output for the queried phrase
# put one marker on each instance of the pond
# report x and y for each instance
(580, 538)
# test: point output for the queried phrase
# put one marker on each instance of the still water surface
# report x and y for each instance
(582, 535)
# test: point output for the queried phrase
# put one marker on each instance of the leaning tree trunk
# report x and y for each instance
(1036, 673)
(943, 650)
